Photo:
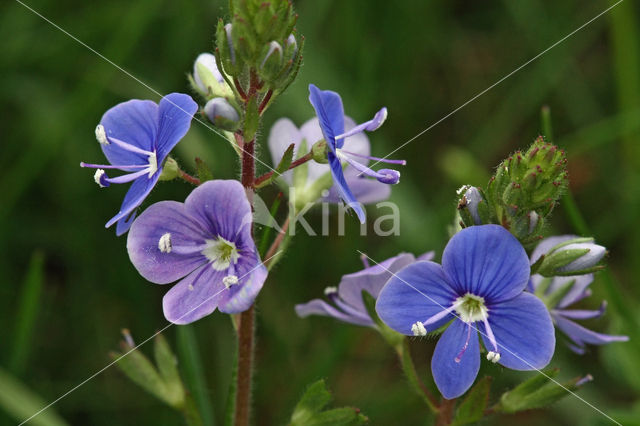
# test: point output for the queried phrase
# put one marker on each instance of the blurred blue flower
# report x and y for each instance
(330, 113)
(136, 137)
(478, 288)
(347, 304)
(563, 292)
(206, 243)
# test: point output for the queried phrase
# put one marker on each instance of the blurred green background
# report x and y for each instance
(67, 285)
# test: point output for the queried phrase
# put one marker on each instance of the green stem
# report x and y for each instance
(191, 413)
(409, 369)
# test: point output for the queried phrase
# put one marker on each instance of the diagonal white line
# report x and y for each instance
(135, 78)
(138, 346)
(502, 346)
(497, 82)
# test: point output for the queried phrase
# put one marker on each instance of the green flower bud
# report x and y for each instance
(222, 114)
(170, 170)
(473, 206)
(577, 256)
(271, 64)
(319, 150)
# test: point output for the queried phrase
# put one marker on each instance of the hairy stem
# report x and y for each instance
(293, 165)
(410, 372)
(188, 178)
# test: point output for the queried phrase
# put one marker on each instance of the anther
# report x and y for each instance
(98, 177)
(493, 356)
(101, 135)
(230, 280)
(418, 329)
(330, 290)
(164, 243)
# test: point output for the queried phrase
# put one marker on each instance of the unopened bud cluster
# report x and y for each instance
(526, 188)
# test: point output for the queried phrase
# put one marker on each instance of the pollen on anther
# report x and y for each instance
(418, 329)
(101, 135)
(330, 290)
(493, 357)
(230, 280)
(98, 176)
(164, 243)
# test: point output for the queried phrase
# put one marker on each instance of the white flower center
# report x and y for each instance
(471, 308)
(164, 244)
(221, 253)
(153, 164)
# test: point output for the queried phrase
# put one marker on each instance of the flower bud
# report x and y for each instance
(473, 206)
(271, 64)
(170, 169)
(291, 47)
(577, 256)
(208, 79)
(222, 114)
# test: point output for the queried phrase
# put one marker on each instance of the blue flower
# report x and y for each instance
(136, 137)
(330, 112)
(562, 292)
(348, 305)
(205, 243)
(478, 288)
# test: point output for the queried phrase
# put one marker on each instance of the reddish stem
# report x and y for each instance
(265, 101)
(241, 92)
(188, 178)
(276, 243)
(293, 165)
(445, 413)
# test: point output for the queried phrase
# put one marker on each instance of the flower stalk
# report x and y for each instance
(409, 369)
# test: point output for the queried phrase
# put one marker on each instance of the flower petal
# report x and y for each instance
(195, 296)
(366, 191)
(415, 293)
(524, 332)
(427, 256)
(582, 336)
(134, 122)
(330, 112)
(547, 244)
(174, 119)
(185, 233)
(136, 194)
(487, 261)
(241, 296)
(371, 280)
(577, 290)
(343, 189)
(455, 378)
(320, 307)
(222, 209)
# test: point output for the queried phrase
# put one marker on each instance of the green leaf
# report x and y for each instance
(168, 369)
(141, 371)
(21, 403)
(191, 366)
(471, 409)
(308, 412)
(204, 173)
(538, 392)
(285, 162)
(27, 314)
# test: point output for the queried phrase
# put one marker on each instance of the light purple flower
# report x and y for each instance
(478, 288)
(330, 113)
(205, 243)
(136, 137)
(348, 305)
(284, 133)
(561, 293)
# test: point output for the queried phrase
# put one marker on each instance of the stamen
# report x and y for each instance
(418, 329)
(490, 335)
(493, 356)
(365, 260)
(458, 358)
(131, 148)
(126, 178)
(101, 135)
(330, 290)
(230, 280)
(110, 166)
(382, 160)
(153, 164)
(462, 189)
(98, 177)
(164, 244)
(389, 176)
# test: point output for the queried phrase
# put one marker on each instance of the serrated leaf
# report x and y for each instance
(308, 411)
(471, 409)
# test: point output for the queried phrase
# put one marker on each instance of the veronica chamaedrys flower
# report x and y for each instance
(284, 132)
(330, 113)
(205, 243)
(136, 137)
(562, 292)
(479, 288)
(348, 305)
